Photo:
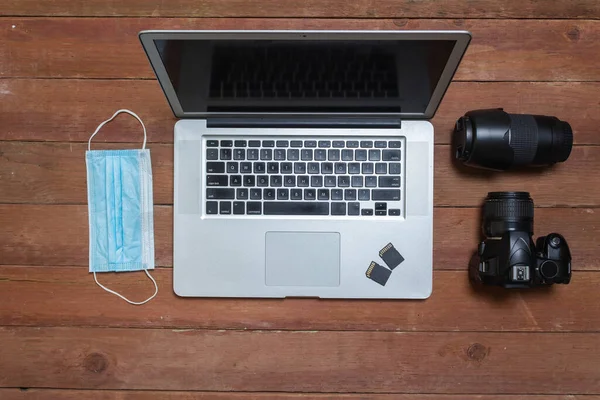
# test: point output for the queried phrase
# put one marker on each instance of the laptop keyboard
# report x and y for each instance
(309, 176)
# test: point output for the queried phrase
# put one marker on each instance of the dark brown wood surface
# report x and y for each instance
(66, 65)
(298, 361)
(539, 50)
(588, 9)
(75, 394)
(63, 296)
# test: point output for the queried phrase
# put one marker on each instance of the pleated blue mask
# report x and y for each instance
(120, 210)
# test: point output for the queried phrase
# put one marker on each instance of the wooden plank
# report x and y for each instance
(54, 173)
(502, 50)
(68, 296)
(62, 394)
(56, 117)
(560, 185)
(36, 236)
(58, 234)
(588, 9)
(371, 362)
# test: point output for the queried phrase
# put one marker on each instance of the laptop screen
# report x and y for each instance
(304, 76)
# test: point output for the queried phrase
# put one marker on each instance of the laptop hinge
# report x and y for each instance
(300, 122)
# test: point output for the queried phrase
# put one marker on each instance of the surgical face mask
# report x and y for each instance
(120, 210)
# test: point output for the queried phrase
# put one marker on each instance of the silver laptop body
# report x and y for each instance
(300, 156)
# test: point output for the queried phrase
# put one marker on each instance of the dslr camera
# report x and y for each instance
(508, 256)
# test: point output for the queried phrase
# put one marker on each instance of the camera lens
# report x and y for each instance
(497, 140)
(507, 211)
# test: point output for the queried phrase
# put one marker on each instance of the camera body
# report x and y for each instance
(508, 256)
(514, 260)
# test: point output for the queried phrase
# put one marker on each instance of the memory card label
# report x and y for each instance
(391, 256)
(378, 273)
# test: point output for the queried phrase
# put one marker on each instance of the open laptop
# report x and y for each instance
(300, 156)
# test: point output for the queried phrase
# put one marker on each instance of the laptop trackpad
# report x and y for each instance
(302, 259)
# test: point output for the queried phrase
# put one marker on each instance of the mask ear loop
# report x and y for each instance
(135, 303)
(113, 117)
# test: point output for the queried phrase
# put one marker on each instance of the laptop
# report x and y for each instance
(304, 159)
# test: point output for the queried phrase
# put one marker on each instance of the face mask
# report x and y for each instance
(120, 210)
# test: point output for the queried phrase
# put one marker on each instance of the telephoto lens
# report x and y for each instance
(494, 139)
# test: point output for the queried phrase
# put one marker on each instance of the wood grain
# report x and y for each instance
(54, 173)
(588, 9)
(65, 110)
(502, 50)
(58, 234)
(68, 296)
(32, 172)
(560, 185)
(54, 394)
(377, 362)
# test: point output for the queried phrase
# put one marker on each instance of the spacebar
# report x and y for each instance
(295, 208)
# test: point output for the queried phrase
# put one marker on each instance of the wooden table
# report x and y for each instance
(66, 65)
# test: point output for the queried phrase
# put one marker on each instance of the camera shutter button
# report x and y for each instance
(555, 242)
(549, 269)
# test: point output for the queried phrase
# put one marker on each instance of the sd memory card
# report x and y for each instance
(377, 273)
(390, 255)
